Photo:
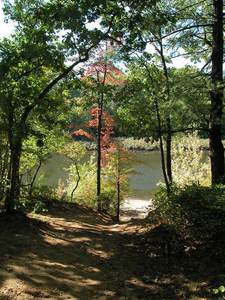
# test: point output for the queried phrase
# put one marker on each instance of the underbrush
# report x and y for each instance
(189, 227)
(195, 211)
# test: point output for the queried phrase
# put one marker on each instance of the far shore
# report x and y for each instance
(141, 145)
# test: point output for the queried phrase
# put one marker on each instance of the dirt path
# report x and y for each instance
(76, 253)
(71, 254)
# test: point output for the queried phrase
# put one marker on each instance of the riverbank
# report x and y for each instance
(132, 144)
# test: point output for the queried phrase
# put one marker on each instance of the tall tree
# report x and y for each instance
(215, 137)
(24, 74)
(48, 35)
(143, 109)
(101, 77)
(195, 29)
(199, 31)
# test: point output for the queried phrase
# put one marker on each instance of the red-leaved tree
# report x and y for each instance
(100, 80)
(107, 130)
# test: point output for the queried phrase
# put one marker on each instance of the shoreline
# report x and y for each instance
(135, 208)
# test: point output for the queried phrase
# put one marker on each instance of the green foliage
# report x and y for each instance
(193, 207)
(59, 192)
(22, 203)
(116, 175)
(83, 177)
(129, 143)
(108, 199)
(40, 190)
(187, 161)
(146, 91)
(75, 151)
(37, 150)
(49, 32)
(86, 190)
(219, 292)
(33, 74)
(40, 206)
(194, 210)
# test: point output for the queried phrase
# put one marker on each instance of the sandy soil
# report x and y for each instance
(135, 208)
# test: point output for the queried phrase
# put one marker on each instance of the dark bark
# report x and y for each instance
(13, 191)
(118, 187)
(215, 136)
(78, 180)
(162, 149)
(169, 134)
(168, 151)
(99, 208)
(35, 176)
(118, 201)
(99, 135)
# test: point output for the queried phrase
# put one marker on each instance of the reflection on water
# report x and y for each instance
(149, 174)
(143, 183)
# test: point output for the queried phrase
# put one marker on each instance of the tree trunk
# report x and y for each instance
(168, 152)
(118, 186)
(162, 148)
(99, 208)
(215, 139)
(13, 191)
(78, 180)
(169, 135)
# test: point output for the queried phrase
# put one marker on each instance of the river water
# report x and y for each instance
(143, 184)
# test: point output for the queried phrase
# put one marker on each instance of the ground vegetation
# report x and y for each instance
(177, 251)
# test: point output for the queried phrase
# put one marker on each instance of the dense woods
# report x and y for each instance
(126, 50)
(83, 71)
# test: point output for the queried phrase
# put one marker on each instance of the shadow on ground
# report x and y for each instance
(76, 253)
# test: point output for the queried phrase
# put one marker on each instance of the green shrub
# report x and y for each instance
(130, 143)
(85, 192)
(194, 210)
(115, 173)
(188, 166)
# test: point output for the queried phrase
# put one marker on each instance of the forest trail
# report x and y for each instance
(72, 252)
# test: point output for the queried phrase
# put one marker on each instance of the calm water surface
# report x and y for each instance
(143, 184)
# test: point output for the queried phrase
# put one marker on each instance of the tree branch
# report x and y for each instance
(81, 59)
(29, 72)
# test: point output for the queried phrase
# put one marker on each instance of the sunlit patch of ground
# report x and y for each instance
(134, 208)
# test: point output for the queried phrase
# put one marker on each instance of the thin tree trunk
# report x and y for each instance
(162, 150)
(99, 130)
(118, 201)
(35, 176)
(78, 180)
(169, 136)
(118, 187)
(99, 208)
(160, 131)
(215, 140)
